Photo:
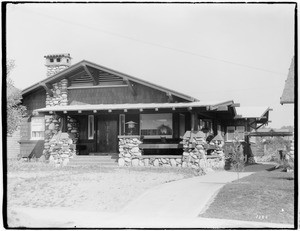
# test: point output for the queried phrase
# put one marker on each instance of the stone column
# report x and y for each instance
(129, 150)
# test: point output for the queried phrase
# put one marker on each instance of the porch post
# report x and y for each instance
(194, 121)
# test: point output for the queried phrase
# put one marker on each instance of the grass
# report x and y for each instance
(266, 196)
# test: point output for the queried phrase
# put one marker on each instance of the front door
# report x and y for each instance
(107, 133)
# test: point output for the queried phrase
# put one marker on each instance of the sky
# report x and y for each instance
(212, 52)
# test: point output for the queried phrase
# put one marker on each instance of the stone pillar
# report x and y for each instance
(195, 154)
(129, 150)
(60, 146)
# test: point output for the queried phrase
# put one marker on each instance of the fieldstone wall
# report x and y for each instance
(60, 94)
(155, 161)
(60, 146)
(194, 155)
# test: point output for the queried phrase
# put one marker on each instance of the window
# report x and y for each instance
(129, 124)
(156, 125)
(91, 129)
(238, 132)
(132, 125)
(58, 60)
(51, 60)
(37, 128)
(230, 133)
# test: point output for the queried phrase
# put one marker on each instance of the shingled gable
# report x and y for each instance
(88, 69)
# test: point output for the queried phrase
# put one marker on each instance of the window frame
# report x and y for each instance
(91, 127)
(236, 131)
(161, 135)
(121, 124)
(33, 124)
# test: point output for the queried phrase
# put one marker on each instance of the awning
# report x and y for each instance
(140, 106)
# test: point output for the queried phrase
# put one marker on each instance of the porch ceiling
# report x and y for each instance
(210, 106)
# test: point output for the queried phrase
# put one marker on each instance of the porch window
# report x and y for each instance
(238, 131)
(230, 133)
(132, 126)
(37, 128)
(91, 128)
(156, 125)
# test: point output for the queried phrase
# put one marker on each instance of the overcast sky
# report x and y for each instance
(239, 52)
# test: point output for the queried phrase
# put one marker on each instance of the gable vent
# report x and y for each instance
(107, 78)
(84, 80)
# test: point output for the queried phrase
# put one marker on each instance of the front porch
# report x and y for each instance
(142, 134)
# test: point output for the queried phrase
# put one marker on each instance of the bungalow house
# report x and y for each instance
(86, 108)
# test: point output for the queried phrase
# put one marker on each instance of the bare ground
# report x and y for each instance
(90, 188)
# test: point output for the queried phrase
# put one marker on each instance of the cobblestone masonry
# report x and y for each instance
(60, 146)
(194, 155)
(60, 94)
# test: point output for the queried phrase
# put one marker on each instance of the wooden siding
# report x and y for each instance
(31, 148)
(35, 100)
(117, 95)
(13, 146)
(25, 129)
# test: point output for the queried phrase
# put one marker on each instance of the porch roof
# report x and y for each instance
(102, 107)
(271, 132)
(253, 112)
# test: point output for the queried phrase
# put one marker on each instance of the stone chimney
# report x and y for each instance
(56, 63)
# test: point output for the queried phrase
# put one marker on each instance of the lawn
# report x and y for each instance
(87, 188)
(266, 196)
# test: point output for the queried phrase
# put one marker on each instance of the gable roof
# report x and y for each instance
(288, 91)
(81, 66)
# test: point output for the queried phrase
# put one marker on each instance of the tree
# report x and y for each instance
(15, 111)
(235, 155)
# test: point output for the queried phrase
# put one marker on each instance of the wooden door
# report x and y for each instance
(107, 133)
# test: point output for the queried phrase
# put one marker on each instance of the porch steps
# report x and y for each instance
(101, 160)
